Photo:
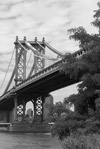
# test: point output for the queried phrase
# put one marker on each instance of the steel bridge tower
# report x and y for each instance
(20, 74)
(20, 59)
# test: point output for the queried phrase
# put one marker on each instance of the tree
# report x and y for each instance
(86, 67)
(57, 110)
(60, 108)
(67, 104)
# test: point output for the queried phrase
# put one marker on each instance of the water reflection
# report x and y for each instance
(28, 141)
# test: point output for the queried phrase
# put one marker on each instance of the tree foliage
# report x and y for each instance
(96, 16)
(85, 67)
(57, 110)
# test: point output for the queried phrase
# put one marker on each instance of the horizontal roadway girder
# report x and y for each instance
(50, 82)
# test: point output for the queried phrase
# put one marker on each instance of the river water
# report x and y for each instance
(28, 141)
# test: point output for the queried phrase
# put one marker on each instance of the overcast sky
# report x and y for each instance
(42, 18)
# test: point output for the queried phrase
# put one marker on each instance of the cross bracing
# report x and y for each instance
(39, 62)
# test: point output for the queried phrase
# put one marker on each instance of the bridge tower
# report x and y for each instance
(20, 63)
(38, 61)
(20, 75)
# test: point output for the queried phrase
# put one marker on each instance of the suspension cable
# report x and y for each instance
(7, 69)
(38, 53)
(29, 59)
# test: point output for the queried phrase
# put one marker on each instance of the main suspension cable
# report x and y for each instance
(7, 69)
(29, 59)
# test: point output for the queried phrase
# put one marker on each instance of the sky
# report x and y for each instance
(42, 18)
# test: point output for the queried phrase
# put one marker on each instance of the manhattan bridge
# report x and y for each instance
(32, 82)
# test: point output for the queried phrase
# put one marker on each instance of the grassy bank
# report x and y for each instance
(81, 142)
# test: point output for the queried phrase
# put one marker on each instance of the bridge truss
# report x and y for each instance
(38, 48)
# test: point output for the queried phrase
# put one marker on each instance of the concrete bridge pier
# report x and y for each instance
(40, 123)
(20, 106)
(42, 106)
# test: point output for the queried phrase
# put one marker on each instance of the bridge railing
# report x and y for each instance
(56, 65)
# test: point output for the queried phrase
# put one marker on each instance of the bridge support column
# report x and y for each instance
(38, 109)
(24, 107)
(19, 110)
(15, 108)
(48, 104)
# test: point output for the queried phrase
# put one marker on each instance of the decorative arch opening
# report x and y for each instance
(29, 112)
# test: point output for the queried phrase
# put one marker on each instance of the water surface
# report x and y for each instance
(28, 141)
